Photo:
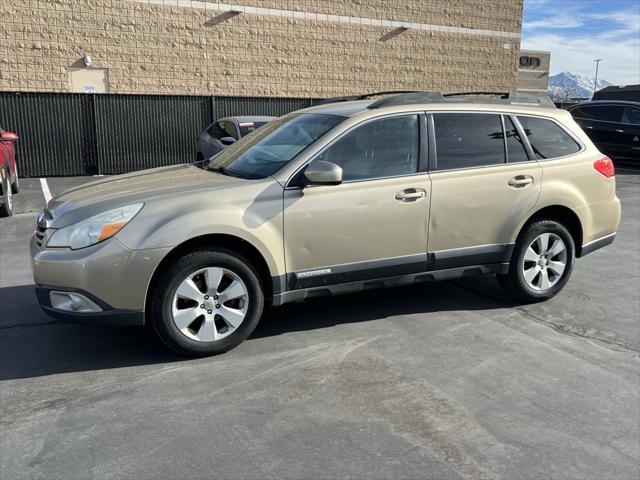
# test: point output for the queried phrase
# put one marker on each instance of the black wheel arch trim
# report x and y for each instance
(596, 244)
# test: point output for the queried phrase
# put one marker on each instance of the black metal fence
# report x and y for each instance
(87, 134)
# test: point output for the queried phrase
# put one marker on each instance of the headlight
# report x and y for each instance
(94, 229)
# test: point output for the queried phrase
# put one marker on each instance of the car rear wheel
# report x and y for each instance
(6, 209)
(206, 303)
(541, 263)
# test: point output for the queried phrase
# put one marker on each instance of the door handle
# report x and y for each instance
(619, 131)
(588, 127)
(410, 195)
(520, 181)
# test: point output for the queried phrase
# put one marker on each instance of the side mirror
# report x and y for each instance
(8, 137)
(323, 173)
(227, 140)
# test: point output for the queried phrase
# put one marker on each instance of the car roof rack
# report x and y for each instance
(408, 99)
(364, 96)
(512, 98)
(504, 98)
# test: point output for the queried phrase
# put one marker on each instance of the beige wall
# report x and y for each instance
(151, 48)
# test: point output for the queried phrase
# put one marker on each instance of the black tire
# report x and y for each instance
(6, 209)
(514, 282)
(160, 315)
(15, 185)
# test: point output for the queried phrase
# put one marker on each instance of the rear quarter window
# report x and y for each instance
(547, 138)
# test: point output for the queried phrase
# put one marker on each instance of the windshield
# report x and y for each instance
(247, 127)
(266, 150)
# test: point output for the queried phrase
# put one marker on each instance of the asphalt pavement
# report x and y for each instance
(440, 380)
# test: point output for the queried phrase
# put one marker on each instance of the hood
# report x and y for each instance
(137, 187)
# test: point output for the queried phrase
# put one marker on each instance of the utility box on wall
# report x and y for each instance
(89, 80)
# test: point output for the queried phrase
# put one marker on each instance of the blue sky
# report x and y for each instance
(579, 31)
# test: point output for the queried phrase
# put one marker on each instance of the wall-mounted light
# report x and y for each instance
(87, 60)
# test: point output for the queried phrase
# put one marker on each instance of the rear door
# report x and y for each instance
(478, 197)
(627, 133)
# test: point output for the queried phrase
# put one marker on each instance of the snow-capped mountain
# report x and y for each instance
(567, 85)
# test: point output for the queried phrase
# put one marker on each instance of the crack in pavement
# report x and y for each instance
(560, 328)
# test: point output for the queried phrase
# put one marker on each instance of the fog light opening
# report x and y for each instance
(73, 302)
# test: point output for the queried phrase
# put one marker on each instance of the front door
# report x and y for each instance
(375, 223)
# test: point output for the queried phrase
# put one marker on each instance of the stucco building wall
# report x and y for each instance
(309, 48)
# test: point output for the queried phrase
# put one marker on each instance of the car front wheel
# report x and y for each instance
(207, 302)
(541, 263)
(15, 185)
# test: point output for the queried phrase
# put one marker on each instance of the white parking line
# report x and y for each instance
(45, 190)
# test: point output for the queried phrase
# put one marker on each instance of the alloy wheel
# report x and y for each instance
(545, 261)
(210, 304)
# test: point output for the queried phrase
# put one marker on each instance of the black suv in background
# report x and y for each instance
(613, 125)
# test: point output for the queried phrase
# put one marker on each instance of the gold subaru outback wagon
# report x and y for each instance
(354, 194)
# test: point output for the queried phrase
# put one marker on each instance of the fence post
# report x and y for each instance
(92, 151)
(213, 110)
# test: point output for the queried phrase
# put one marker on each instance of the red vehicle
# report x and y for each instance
(8, 172)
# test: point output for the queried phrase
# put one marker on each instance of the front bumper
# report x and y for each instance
(113, 276)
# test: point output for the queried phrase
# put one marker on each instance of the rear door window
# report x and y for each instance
(631, 116)
(547, 138)
(607, 113)
(466, 140)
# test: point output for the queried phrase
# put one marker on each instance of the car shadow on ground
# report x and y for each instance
(32, 344)
(379, 304)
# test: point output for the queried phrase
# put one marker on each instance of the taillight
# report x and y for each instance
(605, 167)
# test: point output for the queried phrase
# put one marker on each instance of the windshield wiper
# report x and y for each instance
(223, 171)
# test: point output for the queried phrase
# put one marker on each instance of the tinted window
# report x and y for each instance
(609, 113)
(270, 148)
(631, 115)
(547, 139)
(515, 148)
(229, 129)
(468, 140)
(381, 148)
(247, 127)
(215, 130)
